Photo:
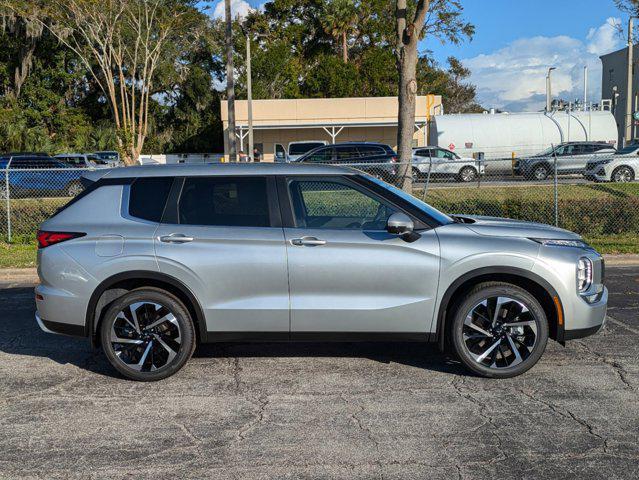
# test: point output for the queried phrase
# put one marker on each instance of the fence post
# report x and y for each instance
(556, 189)
(8, 199)
(430, 167)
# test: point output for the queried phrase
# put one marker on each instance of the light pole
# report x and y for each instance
(549, 90)
(249, 89)
(627, 138)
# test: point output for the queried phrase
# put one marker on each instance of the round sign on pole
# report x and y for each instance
(636, 115)
(451, 146)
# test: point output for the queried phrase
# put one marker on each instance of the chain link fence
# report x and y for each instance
(597, 198)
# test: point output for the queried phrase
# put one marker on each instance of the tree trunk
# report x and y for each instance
(230, 85)
(407, 66)
(344, 48)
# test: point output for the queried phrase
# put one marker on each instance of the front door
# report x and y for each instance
(221, 236)
(346, 273)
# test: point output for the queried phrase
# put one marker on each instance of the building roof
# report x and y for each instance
(214, 169)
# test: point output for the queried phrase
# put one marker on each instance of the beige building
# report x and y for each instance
(276, 123)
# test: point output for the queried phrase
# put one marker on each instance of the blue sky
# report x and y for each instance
(517, 40)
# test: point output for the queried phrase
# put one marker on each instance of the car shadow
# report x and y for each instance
(20, 335)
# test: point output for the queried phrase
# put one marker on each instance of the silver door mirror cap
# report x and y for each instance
(399, 224)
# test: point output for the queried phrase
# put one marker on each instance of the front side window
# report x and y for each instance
(336, 205)
(224, 201)
(346, 153)
(323, 155)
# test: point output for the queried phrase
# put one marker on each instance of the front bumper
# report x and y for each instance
(587, 318)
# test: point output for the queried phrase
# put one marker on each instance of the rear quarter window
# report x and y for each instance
(148, 197)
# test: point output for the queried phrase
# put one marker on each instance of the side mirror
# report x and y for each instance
(400, 224)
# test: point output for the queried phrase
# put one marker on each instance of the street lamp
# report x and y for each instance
(549, 90)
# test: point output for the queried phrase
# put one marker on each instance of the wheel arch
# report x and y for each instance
(536, 285)
(117, 285)
(634, 172)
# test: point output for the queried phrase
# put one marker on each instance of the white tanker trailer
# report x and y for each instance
(508, 135)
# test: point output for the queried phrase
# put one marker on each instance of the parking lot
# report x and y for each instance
(254, 411)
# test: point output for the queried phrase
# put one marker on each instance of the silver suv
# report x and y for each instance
(148, 261)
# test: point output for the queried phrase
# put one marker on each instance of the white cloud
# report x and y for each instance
(513, 78)
(604, 38)
(239, 8)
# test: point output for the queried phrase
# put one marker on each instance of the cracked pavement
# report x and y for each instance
(355, 411)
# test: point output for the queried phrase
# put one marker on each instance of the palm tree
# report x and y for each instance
(340, 19)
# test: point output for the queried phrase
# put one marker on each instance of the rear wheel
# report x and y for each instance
(623, 174)
(467, 174)
(499, 330)
(147, 334)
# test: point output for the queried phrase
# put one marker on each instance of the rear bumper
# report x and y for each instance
(60, 328)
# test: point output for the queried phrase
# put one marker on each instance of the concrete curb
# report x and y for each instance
(30, 275)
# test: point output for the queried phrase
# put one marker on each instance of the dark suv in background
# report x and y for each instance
(572, 157)
(377, 159)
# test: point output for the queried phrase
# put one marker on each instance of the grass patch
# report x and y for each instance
(16, 255)
(614, 244)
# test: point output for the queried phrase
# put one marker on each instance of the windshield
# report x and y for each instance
(549, 151)
(302, 148)
(433, 212)
(628, 150)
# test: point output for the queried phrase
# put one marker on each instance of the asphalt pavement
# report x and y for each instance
(352, 411)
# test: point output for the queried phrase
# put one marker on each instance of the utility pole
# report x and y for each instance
(585, 86)
(230, 85)
(627, 138)
(549, 91)
(249, 95)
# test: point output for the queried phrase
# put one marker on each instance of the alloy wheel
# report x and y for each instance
(500, 332)
(468, 174)
(622, 175)
(146, 336)
(540, 173)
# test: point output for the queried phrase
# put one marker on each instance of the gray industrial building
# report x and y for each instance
(614, 82)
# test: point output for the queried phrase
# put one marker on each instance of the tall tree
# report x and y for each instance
(122, 44)
(438, 18)
(339, 20)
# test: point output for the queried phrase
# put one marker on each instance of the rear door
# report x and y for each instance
(223, 237)
(346, 273)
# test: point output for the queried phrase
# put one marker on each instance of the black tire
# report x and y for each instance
(527, 355)
(467, 174)
(622, 174)
(540, 172)
(417, 175)
(168, 331)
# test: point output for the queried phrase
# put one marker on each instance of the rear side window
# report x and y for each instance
(224, 201)
(148, 197)
(366, 150)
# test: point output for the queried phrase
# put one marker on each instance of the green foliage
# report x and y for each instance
(330, 77)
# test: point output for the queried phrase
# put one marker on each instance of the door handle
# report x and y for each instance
(308, 242)
(176, 238)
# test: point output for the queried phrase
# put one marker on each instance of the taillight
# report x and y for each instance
(394, 159)
(46, 239)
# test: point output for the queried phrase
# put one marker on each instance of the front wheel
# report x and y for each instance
(467, 174)
(540, 172)
(499, 330)
(623, 174)
(147, 334)
(73, 189)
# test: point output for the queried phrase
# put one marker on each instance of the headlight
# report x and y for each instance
(562, 243)
(584, 274)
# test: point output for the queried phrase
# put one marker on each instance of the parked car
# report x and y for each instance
(165, 257)
(623, 166)
(444, 163)
(378, 159)
(572, 158)
(39, 176)
(108, 158)
(79, 160)
(297, 149)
